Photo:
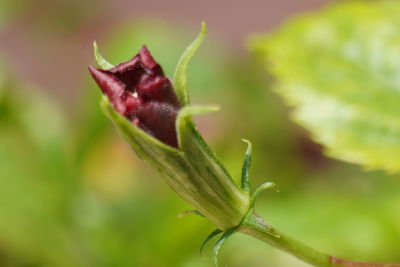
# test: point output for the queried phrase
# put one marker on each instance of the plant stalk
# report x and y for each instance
(296, 248)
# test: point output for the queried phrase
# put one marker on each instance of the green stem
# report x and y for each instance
(256, 227)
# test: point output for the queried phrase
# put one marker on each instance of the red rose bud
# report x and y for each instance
(139, 90)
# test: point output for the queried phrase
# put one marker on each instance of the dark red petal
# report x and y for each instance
(157, 88)
(132, 104)
(110, 86)
(139, 91)
(130, 78)
(131, 72)
(160, 118)
(147, 61)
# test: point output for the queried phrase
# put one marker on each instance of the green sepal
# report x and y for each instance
(189, 139)
(261, 188)
(192, 170)
(245, 179)
(189, 212)
(219, 244)
(259, 223)
(184, 119)
(209, 237)
(166, 159)
(253, 219)
(139, 140)
(215, 181)
(179, 78)
(104, 64)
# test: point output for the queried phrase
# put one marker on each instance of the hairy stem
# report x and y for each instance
(256, 227)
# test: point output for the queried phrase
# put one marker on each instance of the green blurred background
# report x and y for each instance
(73, 194)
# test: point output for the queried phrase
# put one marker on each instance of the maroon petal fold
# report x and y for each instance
(140, 92)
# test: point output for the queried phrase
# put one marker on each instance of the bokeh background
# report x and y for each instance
(73, 194)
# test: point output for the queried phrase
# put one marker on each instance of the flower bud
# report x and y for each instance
(139, 91)
(156, 121)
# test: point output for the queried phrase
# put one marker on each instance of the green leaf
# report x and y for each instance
(246, 167)
(99, 58)
(340, 70)
(179, 79)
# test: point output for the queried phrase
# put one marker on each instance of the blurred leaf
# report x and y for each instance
(340, 69)
(10, 8)
(35, 186)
